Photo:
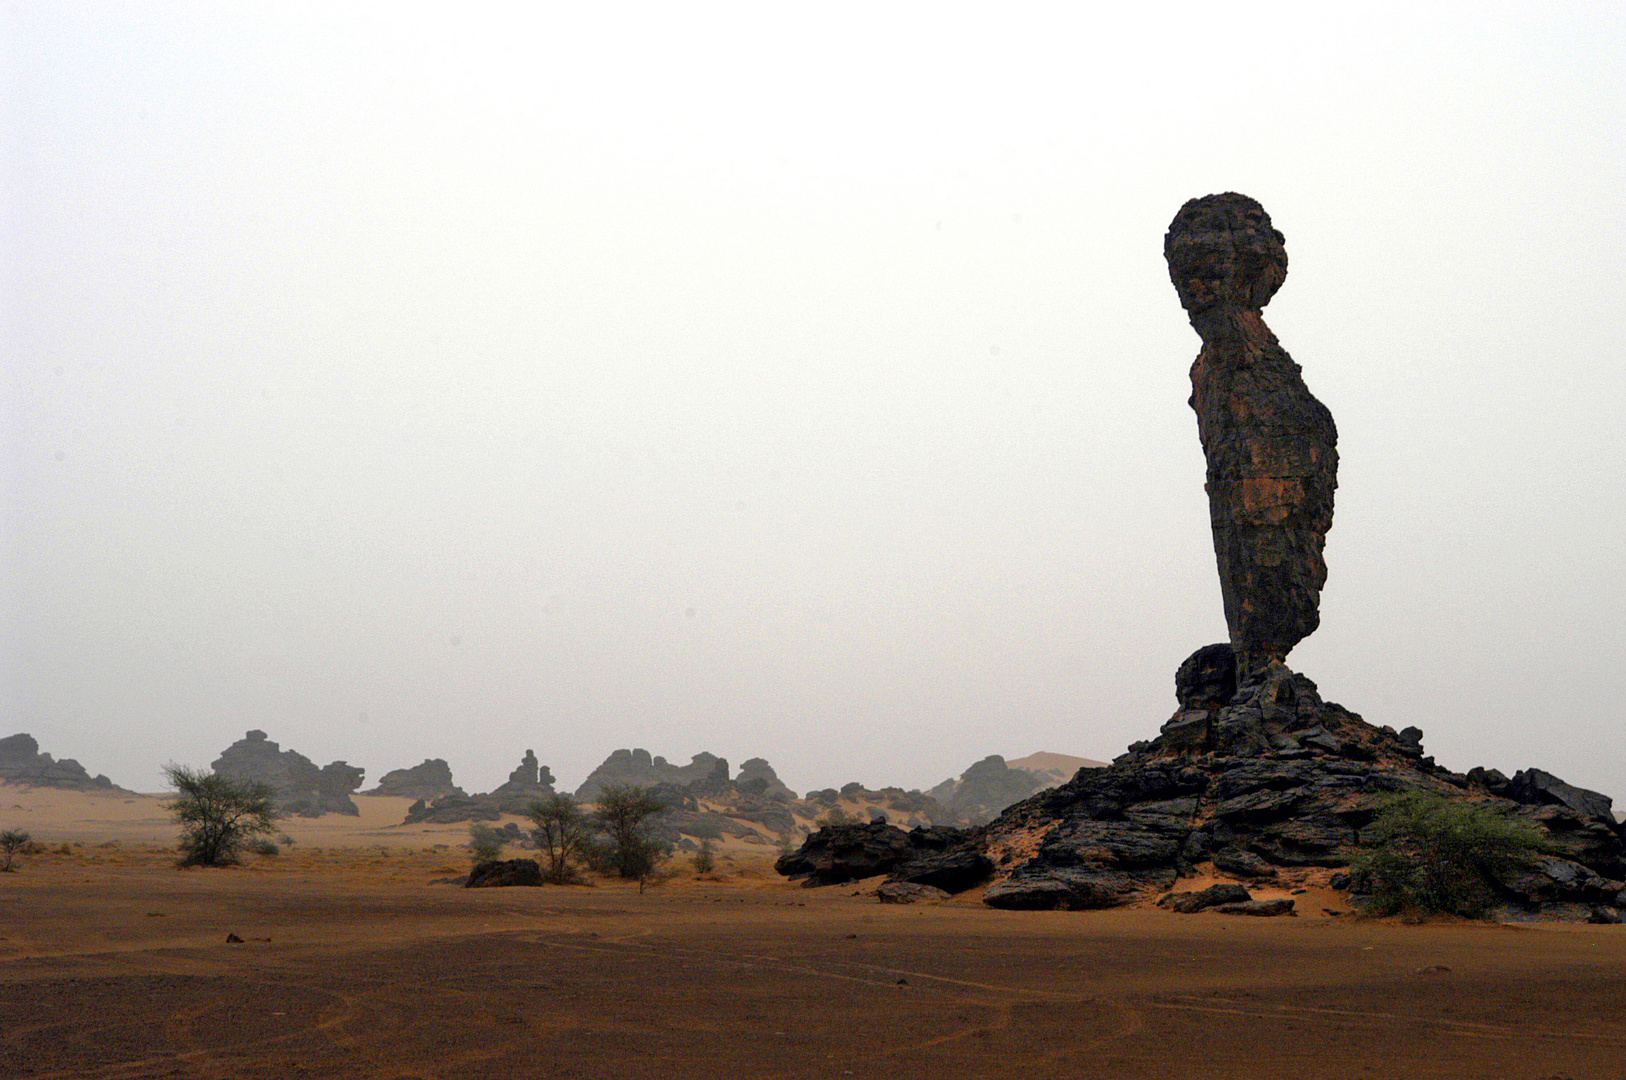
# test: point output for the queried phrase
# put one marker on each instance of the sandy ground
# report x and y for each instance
(355, 963)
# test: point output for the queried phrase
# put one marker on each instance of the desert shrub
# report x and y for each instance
(1427, 853)
(836, 816)
(561, 833)
(705, 857)
(285, 840)
(12, 841)
(262, 846)
(218, 814)
(627, 847)
(485, 843)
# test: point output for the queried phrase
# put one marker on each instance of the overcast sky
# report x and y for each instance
(801, 381)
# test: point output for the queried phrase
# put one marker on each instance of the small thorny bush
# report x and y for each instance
(1426, 853)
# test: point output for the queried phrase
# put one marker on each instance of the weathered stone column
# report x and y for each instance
(1271, 446)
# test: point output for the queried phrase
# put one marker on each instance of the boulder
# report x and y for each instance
(838, 853)
(1036, 887)
(907, 892)
(1534, 787)
(950, 871)
(1186, 903)
(1206, 679)
(1282, 905)
(497, 873)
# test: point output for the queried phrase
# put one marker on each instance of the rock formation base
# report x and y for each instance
(1267, 782)
(1260, 781)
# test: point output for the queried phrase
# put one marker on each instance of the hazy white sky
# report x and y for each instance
(796, 381)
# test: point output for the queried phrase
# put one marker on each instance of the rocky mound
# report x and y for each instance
(529, 782)
(985, 789)
(21, 762)
(854, 801)
(758, 778)
(430, 780)
(1269, 783)
(302, 788)
(941, 857)
(638, 767)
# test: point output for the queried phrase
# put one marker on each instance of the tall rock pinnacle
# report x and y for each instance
(1271, 446)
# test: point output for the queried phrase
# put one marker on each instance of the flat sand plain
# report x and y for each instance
(355, 963)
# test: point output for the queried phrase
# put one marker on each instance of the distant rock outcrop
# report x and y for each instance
(302, 788)
(430, 780)
(21, 762)
(529, 782)
(984, 789)
(639, 768)
(758, 778)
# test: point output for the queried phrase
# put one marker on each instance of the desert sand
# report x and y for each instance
(359, 961)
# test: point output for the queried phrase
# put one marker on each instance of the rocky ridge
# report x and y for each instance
(22, 762)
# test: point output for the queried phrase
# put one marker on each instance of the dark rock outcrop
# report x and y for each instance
(1271, 446)
(1281, 905)
(1255, 774)
(1273, 783)
(21, 762)
(1186, 903)
(302, 788)
(430, 780)
(497, 873)
(838, 853)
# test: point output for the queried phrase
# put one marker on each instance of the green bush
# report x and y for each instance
(265, 847)
(484, 843)
(561, 832)
(705, 857)
(217, 814)
(1427, 853)
(11, 842)
(627, 847)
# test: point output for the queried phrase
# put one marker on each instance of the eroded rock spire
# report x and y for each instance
(1271, 446)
